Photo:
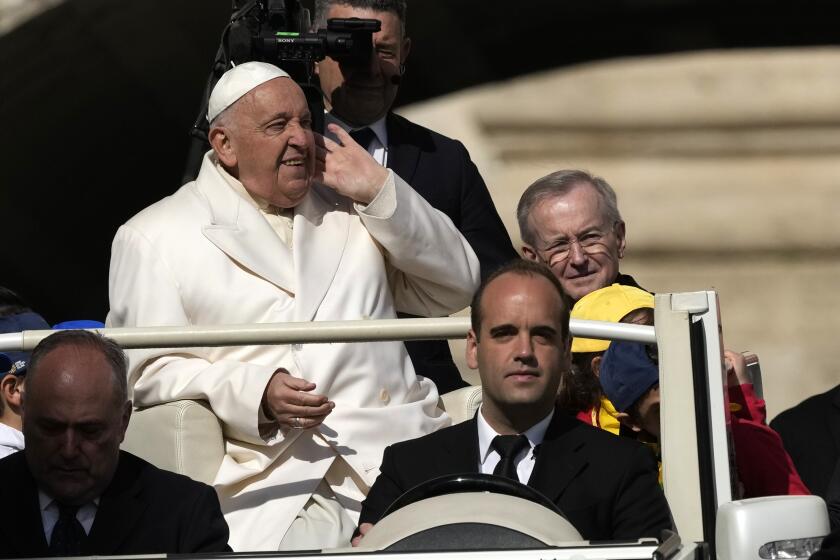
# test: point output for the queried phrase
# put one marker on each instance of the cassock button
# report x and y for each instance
(384, 396)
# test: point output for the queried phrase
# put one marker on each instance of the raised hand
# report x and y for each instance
(347, 167)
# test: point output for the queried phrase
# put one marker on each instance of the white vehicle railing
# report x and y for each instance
(313, 332)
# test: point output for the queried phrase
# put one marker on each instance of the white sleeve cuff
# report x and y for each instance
(384, 204)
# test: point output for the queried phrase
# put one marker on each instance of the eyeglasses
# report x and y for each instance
(591, 242)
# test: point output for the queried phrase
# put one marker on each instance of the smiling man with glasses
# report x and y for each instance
(569, 220)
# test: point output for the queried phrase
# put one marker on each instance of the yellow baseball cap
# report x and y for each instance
(607, 304)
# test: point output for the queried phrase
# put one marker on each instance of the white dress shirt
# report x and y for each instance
(49, 514)
(489, 457)
(11, 440)
(378, 147)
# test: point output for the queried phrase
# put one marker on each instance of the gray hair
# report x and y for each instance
(109, 349)
(397, 7)
(558, 184)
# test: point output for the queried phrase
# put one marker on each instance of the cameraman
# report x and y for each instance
(359, 98)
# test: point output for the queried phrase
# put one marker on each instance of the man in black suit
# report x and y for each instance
(72, 491)
(606, 486)
(811, 435)
(359, 99)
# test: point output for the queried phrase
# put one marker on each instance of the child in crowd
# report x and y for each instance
(12, 378)
(629, 375)
(16, 316)
(580, 391)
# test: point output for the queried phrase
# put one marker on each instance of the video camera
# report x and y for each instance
(279, 32)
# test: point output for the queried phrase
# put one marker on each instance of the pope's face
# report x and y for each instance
(268, 142)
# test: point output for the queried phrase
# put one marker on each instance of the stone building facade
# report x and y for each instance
(727, 167)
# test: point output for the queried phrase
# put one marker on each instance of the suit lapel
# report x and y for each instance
(120, 508)
(403, 155)
(241, 232)
(558, 459)
(321, 229)
(461, 447)
(27, 532)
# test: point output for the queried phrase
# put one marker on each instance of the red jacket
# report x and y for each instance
(764, 467)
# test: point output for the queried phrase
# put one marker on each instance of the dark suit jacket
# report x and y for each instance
(144, 510)
(605, 485)
(811, 434)
(441, 171)
(830, 548)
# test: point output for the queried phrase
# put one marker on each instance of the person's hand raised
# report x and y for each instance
(347, 168)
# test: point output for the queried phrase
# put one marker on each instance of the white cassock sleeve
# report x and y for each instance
(433, 271)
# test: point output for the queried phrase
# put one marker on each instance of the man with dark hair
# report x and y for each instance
(359, 99)
(75, 492)
(569, 220)
(606, 486)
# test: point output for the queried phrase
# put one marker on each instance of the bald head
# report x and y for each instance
(75, 414)
(78, 340)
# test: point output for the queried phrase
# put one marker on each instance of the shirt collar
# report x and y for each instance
(486, 433)
(11, 437)
(380, 130)
(45, 501)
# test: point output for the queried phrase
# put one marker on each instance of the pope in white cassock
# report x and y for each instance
(276, 228)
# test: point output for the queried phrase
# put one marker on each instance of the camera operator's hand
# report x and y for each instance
(347, 167)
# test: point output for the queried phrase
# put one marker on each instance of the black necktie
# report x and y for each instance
(508, 447)
(363, 137)
(68, 534)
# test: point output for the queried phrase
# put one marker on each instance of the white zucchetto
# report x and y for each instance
(238, 81)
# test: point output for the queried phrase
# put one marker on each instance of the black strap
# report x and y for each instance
(508, 447)
(68, 534)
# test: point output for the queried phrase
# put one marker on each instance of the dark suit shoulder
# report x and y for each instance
(600, 437)
(149, 510)
(14, 463)
(809, 409)
(573, 429)
(460, 433)
(132, 467)
(424, 138)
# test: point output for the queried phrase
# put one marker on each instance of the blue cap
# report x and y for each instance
(15, 362)
(79, 324)
(627, 372)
